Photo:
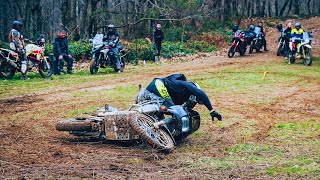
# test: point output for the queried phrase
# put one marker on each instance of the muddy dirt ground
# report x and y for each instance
(31, 147)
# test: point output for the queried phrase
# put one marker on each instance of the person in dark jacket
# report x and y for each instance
(112, 38)
(287, 36)
(158, 38)
(61, 52)
(263, 37)
(176, 90)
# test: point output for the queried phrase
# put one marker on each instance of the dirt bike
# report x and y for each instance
(301, 50)
(143, 121)
(239, 44)
(103, 56)
(281, 44)
(10, 62)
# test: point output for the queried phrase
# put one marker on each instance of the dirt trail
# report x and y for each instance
(30, 147)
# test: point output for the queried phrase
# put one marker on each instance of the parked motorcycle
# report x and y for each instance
(281, 44)
(102, 56)
(257, 42)
(239, 44)
(143, 121)
(10, 62)
(301, 50)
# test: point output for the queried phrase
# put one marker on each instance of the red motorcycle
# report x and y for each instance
(239, 44)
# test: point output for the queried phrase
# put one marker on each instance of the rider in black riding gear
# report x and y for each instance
(113, 39)
(263, 36)
(176, 90)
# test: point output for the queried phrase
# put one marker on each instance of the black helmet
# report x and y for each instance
(17, 25)
(235, 28)
(279, 27)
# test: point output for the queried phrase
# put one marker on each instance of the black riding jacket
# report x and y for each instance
(180, 91)
(61, 46)
(158, 35)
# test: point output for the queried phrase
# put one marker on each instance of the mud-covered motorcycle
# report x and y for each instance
(10, 62)
(103, 57)
(150, 121)
(302, 50)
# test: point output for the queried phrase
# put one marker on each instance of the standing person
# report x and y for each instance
(287, 35)
(112, 37)
(263, 37)
(61, 52)
(17, 45)
(158, 38)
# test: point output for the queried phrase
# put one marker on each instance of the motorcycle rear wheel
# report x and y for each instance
(46, 68)
(94, 67)
(308, 60)
(231, 52)
(157, 138)
(6, 70)
(74, 125)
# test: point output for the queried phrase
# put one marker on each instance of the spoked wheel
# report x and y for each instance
(231, 52)
(122, 63)
(291, 58)
(94, 66)
(157, 138)
(279, 51)
(7, 71)
(46, 67)
(307, 61)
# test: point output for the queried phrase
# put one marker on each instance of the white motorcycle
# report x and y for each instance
(102, 56)
(301, 50)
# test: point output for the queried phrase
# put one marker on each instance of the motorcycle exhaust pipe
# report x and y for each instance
(10, 62)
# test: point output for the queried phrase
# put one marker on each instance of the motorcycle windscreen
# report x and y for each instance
(306, 37)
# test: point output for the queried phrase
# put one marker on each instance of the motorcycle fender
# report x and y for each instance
(165, 128)
(308, 46)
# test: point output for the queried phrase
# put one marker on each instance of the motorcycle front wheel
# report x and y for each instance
(291, 58)
(94, 66)
(279, 50)
(307, 61)
(122, 64)
(231, 51)
(46, 67)
(157, 138)
(6, 70)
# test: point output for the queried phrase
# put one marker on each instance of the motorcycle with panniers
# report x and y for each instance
(102, 56)
(301, 50)
(147, 121)
(36, 60)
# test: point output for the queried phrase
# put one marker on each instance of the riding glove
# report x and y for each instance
(215, 114)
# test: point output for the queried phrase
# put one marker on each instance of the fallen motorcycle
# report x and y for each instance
(143, 121)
